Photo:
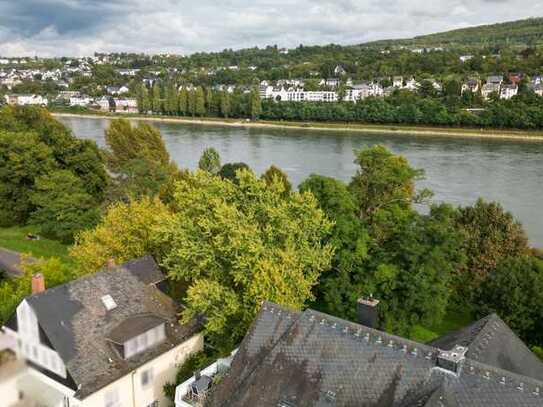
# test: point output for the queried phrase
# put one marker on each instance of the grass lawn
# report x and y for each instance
(453, 320)
(14, 238)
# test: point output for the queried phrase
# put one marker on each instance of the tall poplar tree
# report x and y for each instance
(157, 101)
(199, 102)
(255, 105)
(183, 101)
(225, 104)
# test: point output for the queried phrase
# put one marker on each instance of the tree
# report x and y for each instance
(13, 290)
(426, 89)
(63, 207)
(23, 158)
(170, 104)
(144, 103)
(225, 104)
(229, 170)
(156, 101)
(491, 234)
(210, 161)
(255, 105)
(199, 102)
(514, 290)
(183, 102)
(128, 142)
(274, 174)
(33, 144)
(452, 87)
(384, 181)
(138, 158)
(236, 245)
(125, 232)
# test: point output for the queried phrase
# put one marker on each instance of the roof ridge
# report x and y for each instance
(391, 339)
(489, 372)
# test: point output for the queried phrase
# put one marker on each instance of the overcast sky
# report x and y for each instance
(81, 27)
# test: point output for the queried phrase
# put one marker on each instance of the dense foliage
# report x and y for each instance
(47, 176)
(514, 290)
(232, 244)
(383, 246)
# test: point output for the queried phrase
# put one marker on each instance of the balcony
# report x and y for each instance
(194, 391)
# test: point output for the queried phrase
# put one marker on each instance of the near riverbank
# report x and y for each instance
(346, 127)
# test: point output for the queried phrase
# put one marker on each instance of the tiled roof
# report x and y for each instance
(492, 342)
(312, 359)
(78, 325)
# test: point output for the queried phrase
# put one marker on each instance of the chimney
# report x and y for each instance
(110, 263)
(38, 283)
(367, 312)
(453, 359)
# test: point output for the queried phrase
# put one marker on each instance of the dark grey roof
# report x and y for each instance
(146, 269)
(312, 359)
(77, 323)
(492, 342)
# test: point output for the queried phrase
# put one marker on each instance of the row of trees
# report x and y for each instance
(425, 107)
(405, 108)
(172, 100)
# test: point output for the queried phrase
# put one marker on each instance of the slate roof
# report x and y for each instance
(492, 342)
(79, 327)
(307, 358)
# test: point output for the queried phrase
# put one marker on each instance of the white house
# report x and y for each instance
(110, 339)
(466, 58)
(397, 82)
(23, 100)
(508, 91)
(82, 101)
(490, 88)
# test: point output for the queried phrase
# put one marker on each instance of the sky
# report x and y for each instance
(81, 27)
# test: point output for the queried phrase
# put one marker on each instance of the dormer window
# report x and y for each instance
(138, 334)
(144, 341)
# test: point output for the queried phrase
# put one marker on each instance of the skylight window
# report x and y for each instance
(109, 302)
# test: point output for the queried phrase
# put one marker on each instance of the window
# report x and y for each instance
(146, 377)
(112, 398)
(144, 341)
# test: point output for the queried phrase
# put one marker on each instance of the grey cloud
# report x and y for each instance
(77, 27)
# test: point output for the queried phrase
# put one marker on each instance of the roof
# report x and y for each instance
(312, 359)
(79, 327)
(492, 342)
(132, 327)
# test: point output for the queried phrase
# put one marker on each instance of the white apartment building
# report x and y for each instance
(24, 100)
(110, 339)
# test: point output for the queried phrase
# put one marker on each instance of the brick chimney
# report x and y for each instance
(110, 263)
(367, 312)
(38, 283)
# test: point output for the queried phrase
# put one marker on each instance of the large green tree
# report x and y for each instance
(34, 144)
(139, 158)
(514, 290)
(63, 207)
(490, 235)
(236, 245)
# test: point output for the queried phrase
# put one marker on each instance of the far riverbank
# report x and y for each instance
(347, 127)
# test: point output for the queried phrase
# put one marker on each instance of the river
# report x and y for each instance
(458, 170)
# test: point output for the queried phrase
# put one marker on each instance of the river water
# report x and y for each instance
(458, 170)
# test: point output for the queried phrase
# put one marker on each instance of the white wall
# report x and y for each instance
(129, 389)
